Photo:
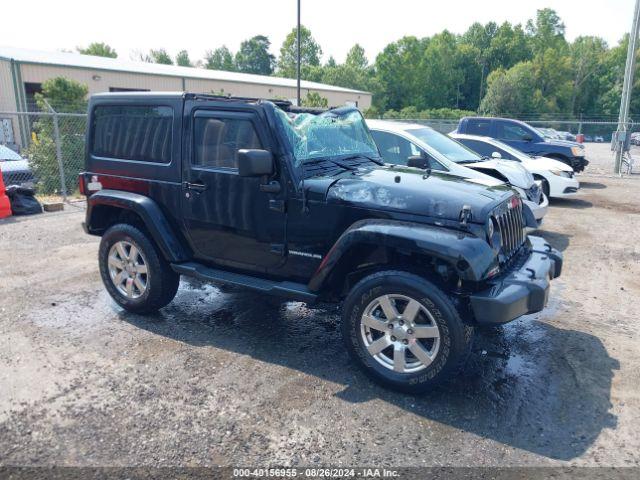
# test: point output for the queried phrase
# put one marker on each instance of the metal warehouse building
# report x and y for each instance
(22, 73)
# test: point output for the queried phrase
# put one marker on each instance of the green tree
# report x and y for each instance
(546, 31)
(98, 49)
(63, 95)
(219, 59)
(254, 56)
(356, 58)
(157, 56)
(354, 73)
(315, 100)
(509, 91)
(310, 53)
(587, 57)
(182, 59)
(398, 72)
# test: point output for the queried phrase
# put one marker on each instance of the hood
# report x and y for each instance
(546, 163)
(516, 174)
(14, 166)
(562, 143)
(411, 190)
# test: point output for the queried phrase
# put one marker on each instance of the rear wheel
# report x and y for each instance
(134, 272)
(404, 331)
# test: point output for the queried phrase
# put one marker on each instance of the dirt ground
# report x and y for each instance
(228, 378)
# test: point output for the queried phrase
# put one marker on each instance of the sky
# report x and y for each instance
(139, 25)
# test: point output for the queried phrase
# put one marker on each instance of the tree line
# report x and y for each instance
(529, 70)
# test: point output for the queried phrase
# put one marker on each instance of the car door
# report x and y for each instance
(515, 135)
(228, 218)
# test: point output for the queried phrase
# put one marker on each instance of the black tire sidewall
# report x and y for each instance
(151, 299)
(454, 335)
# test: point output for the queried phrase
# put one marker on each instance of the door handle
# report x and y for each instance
(196, 187)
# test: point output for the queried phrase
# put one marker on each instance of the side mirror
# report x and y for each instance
(254, 163)
(496, 155)
(527, 138)
(418, 161)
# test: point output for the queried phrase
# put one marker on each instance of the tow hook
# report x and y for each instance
(532, 273)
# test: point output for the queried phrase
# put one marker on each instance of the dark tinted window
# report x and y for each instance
(512, 131)
(132, 133)
(481, 148)
(479, 127)
(485, 149)
(393, 148)
(217, 141)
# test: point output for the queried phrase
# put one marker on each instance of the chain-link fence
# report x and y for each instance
(44, 150)
(592, 130)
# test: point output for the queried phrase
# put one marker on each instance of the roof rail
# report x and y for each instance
(229, 98)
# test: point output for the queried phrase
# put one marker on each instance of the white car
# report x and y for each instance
(557, 178)
(399, 142)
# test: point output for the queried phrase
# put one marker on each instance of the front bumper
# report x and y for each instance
(521, 292)
(562, 187)
(579, 163)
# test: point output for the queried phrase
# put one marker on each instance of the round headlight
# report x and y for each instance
(490, 229)
(494, 236)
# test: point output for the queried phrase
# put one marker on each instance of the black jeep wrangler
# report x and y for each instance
(298, 203)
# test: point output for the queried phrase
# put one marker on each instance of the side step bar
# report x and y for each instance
(292, 290)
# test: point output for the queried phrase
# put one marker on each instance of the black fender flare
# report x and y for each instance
(470, 256)
(152, 216)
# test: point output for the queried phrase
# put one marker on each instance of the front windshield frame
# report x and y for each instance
(296, 129)
(468, 155)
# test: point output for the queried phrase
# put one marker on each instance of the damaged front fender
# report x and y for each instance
(471, 257)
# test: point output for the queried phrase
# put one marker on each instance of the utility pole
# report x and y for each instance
(623, 120)
(298, 53)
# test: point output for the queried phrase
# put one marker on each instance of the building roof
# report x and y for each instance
(76, 60)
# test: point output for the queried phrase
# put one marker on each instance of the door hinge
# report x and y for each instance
(278, 248)
(277, 205)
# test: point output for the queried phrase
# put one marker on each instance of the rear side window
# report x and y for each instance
(141, 133)
(479, 127)
(217, 141)
(393, 148)
(481, 148)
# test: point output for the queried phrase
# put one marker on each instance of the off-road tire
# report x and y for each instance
(162, 283)
(455, 336)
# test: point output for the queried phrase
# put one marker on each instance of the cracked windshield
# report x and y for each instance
(333, 134)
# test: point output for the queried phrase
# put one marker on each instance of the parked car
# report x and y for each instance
(598, 139)
(15, 169)
(557, 179)
(401, 143)
(567, 136)
(298, 203)
(588, 138)
(525, 138)
(550, 133)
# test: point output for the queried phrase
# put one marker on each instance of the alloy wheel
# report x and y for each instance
(400, 333)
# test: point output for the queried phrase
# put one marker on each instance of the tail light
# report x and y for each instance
(82, 185)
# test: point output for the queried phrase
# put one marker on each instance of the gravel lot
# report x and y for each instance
(230, 378)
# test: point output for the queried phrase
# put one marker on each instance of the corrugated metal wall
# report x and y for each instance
(100, 81)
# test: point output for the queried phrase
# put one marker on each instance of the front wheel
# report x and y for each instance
(403, 331)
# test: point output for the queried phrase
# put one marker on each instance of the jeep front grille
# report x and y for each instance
(511, 225)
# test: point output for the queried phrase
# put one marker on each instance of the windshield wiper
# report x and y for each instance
(473, 161)
(361, 155)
